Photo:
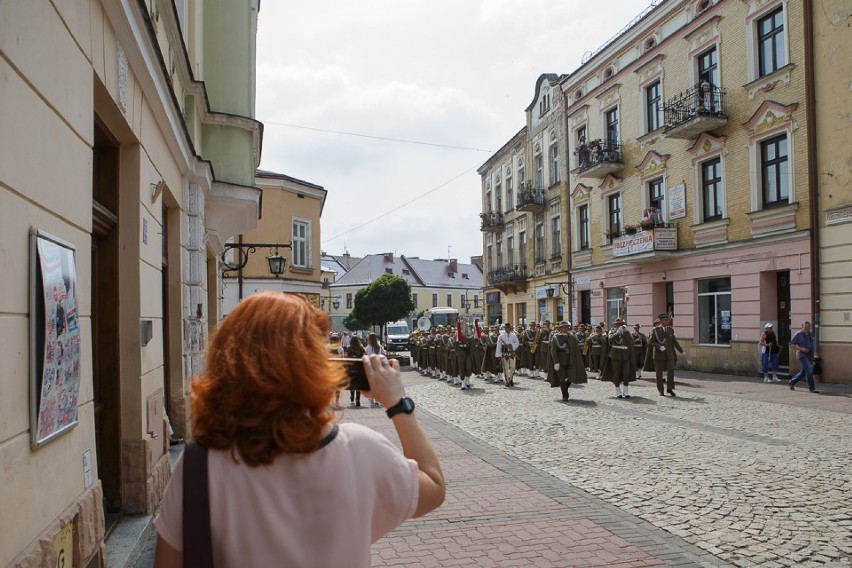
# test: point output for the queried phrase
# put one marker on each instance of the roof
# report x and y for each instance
(417, 272)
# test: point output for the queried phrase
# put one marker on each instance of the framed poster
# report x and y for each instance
(54, 338)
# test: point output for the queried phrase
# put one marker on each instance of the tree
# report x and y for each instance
(387, 298)
(351, 323)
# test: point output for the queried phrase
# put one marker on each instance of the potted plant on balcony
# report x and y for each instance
(613, 233)
(631, 229)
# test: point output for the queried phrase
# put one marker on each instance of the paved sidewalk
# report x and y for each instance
(533, 481)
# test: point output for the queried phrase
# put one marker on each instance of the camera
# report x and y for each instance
(355, 372)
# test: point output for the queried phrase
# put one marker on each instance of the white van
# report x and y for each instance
(396, 336)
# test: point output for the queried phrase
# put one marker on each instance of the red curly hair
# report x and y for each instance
(267, 386)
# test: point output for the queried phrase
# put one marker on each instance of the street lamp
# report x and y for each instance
(551, 292)
(276, 261)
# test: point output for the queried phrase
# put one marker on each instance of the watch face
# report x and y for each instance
(407, 405)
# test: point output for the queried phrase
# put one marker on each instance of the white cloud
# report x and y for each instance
(457, 73)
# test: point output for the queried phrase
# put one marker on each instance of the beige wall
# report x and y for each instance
(833, 69)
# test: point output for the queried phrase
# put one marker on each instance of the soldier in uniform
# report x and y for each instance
(661, 353)
(443, 349)
(597, 350)
(464, 357)
(640, 345)
(620, 364)
(433, 352)
(526, 359)
(542, 354)
(489, 360)
(567, 362)
(452, 364)
(507, 345)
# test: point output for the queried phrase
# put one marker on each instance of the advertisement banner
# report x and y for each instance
(643, 241)
(677, 201)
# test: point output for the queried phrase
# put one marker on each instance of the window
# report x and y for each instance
(556, 236)
(522, 247)
(583, 223)
(406, 272)
(388, 270)
(522, 177)
(614, 215)
(616, 307)
(539, 172)
(414, 299)
(708, 67)
(656, 200)
(476, 300)
(434, 300)
(499, 253)
(554, 164)
(489, 256)
(711, 188)
(300, 244)
(539, 242)
(499, 192)
(349, 300)
(654, 109)
(510, 250)
(612, 126)
(770, 43)
(449, 300)
(488, 201)
(714, 311)
(774, 170)
(509, 197)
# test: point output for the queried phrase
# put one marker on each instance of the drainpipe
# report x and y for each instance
(240, 274)
(813, 177)
(569, 227)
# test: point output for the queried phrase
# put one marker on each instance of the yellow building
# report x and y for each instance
(693, 123)
(127, 158)
(290, 217)
(524, 191)
(832, 173)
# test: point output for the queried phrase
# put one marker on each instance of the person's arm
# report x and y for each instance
(387, 388)
(166, 556)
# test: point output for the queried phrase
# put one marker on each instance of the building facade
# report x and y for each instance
(434, 283)
(127, 158)
(290, 217)
(524, 205)
(689, 137)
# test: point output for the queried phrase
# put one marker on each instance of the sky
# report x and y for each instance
(392, 105)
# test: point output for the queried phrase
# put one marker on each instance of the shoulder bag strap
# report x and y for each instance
(197, 541)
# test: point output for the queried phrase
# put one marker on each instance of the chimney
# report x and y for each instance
(454, 265)
(388, 257)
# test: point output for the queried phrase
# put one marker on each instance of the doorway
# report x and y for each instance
(783, 316)
(586, 306)
(105, 321)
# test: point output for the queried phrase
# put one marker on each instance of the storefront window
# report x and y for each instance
(615, 305)
(714, 311)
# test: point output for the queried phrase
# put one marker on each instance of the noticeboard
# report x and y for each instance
(54, 338)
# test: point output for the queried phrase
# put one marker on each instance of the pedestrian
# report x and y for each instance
(619, 367)
(769, 350)
(640, 346)
(356, 351)
(290, 486)
(507, 345)
(373, 348)
(345, 340)
(335, 349)
(661, 353)
(803, 343)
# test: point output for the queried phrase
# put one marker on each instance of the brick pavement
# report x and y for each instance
(500, 511)
(752, 474)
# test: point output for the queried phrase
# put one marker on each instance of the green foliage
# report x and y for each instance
(387, 298)
(351, 323)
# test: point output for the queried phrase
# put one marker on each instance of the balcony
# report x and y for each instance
(530, 199)
(509, 279)
(492, 222)
(645, 245)
(598, 158)
(701, 108)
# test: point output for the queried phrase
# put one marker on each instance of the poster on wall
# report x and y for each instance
(677, 201)
(54, 338)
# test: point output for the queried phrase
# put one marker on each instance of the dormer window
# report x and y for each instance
(388, 270)
(650, 43)
(609, 72)
(465, 276)
(452, 275)
(406, 272)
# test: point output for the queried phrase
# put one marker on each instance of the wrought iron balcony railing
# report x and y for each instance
(698, 109)
(531, 199)
(492, 221)
(598, 158)
(507, 273)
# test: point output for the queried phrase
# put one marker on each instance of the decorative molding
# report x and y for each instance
(653, 163)
(768, 83)
(839, 214)
(711, 233)
(707, 145)
(581, 193)
(773, 221)
(122, 75)
(770, 115)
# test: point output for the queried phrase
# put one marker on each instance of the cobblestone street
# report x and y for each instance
(742, 470)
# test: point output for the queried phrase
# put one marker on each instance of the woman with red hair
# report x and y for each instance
(289, 486)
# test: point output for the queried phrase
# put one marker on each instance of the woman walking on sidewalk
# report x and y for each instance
(769, 350)
(289, 486)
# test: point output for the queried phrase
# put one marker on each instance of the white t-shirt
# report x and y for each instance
(506, 339)
(369, 350)
(320, 509)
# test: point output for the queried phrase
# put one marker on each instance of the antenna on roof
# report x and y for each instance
(448, 251)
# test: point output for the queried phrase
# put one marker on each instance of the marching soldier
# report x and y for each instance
(526, 357)
(464, 357)
(443, 352)
(433, 352)
(597, 350)
(620, 364)
(542, 354)
(661, 353)
(489, 360)
(640, 345)
(567, 362)
(507, 344)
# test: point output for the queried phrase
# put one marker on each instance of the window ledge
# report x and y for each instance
(714, 345)
(301, 269)
(769, 82)
(773, 221)
(709, 233)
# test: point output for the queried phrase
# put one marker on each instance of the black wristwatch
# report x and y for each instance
(405, 405)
